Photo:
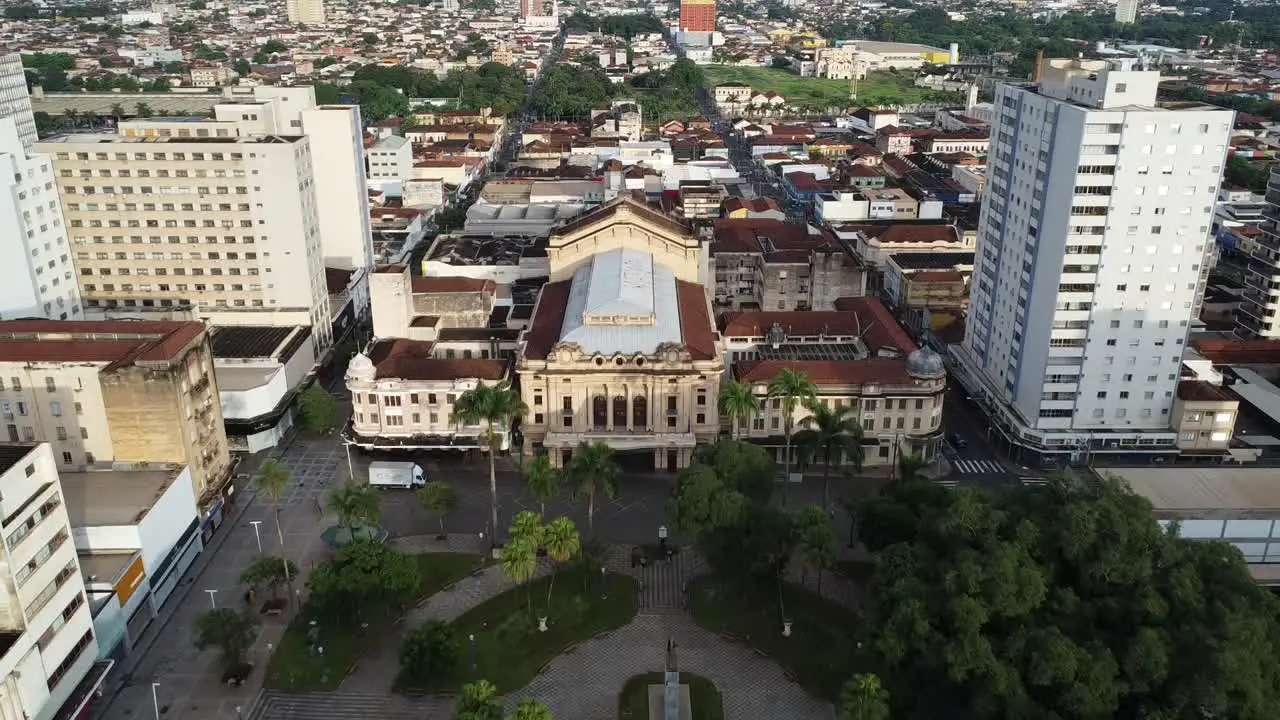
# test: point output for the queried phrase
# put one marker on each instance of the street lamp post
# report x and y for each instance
(256, 534)
(212, 602)
(155, 701)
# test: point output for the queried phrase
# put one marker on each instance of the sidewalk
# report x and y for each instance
(189, 681)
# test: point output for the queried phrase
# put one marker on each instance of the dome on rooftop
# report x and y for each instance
(925, 363)
(361, 367)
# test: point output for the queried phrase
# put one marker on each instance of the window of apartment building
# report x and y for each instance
(395, 420)
(55, 408)
(392, 400)
(373, 418)
(450, 399)
(66, 457)
(15, 383)
(60, 432)
(22, 408)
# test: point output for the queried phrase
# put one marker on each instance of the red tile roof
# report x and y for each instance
(799, 322)
(905, 233)
(411, 360)
(1199, 390)
(119, 343)
(744, 235)
(1239, 352)
(434, 284)
(879, 329)
(609, 209)
(828, 372)
(548, 320)
(696, 329)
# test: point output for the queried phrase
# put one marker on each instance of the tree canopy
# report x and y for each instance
(1063, 602)
(363, 576)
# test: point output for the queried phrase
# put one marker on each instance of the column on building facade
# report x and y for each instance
(630, 416)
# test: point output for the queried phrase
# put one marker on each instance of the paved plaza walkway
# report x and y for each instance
(583, 683)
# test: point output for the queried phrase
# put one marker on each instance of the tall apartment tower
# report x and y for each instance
(698, 16)
(305, 12)
(39, 278)
(1091, 258)
(224, 228)
(49, 653)
(1261, 299)
(15, 102)
(1126, 11)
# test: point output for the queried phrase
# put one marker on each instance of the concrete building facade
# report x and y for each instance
(305, 12)
(1090, 259)
(115, 394)
(40, 278)
(621, 348)
(222, 228)
(48, 649)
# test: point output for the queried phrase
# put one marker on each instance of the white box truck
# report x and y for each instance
(404, 475)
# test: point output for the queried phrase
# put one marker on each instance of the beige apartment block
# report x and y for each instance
(1204, 416)
(121, 394)
(621, 348)
(858, 357)
(221, 228)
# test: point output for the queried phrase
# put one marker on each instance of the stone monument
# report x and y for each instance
(670, 700)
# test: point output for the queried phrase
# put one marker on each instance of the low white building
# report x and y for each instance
(390, 158)
(137, 532)
(48, 650)
(260, 371)
(403, 397)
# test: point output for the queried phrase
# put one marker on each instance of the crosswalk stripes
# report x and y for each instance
(1033, 481)
(977, 467)
(334, 706)
(948, 484)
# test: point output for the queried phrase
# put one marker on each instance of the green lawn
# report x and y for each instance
(819, 655)
(880, 87)
(704, 698)
(509, 649)
(293, 669)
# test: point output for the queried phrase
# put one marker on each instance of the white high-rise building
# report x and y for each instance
(15, 102)
(1261, 300)
(47, 646)
(1126, 11)
(39, 279)
(170, 227)
(1090, 258)
(305, 12)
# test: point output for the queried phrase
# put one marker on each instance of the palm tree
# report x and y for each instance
(527, 525)
(562, 541)
(792, 387)
(864, 698)
(739, 403)
(520, 561)
(593, 470)
(836, 434)
(353, 504)
(542, 481)
(273, 480)
(530, 709)
(117, 111)
(911, 467)
(491, 405)
(440, 499)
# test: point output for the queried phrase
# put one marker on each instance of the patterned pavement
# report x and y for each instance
(583, 683)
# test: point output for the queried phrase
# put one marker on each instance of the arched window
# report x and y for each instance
(640, 413)
(619, 412)
(599, 412)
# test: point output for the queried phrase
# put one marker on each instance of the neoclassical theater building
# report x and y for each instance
(622, 347)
